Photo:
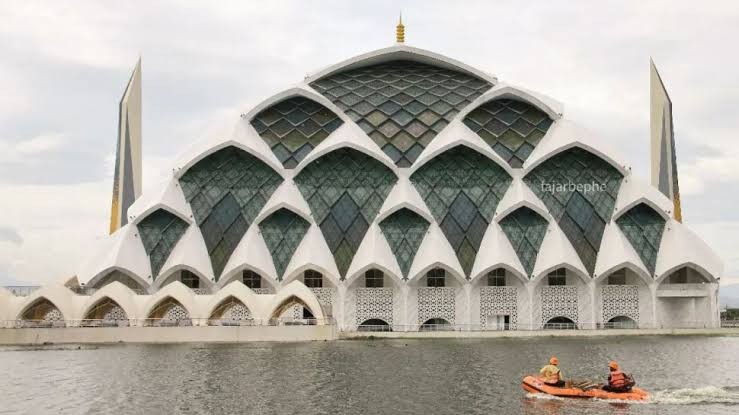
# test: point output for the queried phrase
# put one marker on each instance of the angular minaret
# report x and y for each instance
(664, 162)
(127, 178)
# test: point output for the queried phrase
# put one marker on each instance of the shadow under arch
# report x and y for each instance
(689, 265)
(286, 304)
(105, 312)
(118, 274)
(41, 312)
(168, 312)
(373, 266)
(560, 323)
(621, 322)
(231, 311)
(374, 324)
(507, 267)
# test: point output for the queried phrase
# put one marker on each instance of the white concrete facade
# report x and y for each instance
(680, 292)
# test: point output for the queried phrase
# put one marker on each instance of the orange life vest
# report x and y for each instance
(618, 379)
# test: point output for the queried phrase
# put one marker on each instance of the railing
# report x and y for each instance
(22, 290)
(730, 323)
(161, 322)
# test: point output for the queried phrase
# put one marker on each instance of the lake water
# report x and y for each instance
(687, 375)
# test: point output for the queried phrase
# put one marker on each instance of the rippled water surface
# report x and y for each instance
(687, 375)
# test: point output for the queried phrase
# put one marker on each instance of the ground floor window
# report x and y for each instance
(374, 278)
(190, 279)
(313, 279)
(496, 278)
(251, 279)
(557, 277)
(436, 278)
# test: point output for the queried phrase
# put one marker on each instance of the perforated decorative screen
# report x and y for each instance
(282, 232)
(643, 227)
(226, 191)
(401, 105)
(294, 127)
(580, 190)
(404, 231)
(160, 231)
(525, 230)
(345, 190)
(462, 188)
(512, 128)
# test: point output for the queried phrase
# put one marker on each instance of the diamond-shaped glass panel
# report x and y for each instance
(282, 232)
(525, 230)
(643, 227)
(160, 231)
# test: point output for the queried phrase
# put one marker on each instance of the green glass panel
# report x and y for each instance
(345, 190)
(420, 99)
(525, 230)
(282, 232)
(512, 128)
(404, 231)
(226, 191)
(579, 189)
(160, 231)
(643, 227)
(462, 188)
(291, 124)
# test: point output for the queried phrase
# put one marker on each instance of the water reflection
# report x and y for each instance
(379, 377)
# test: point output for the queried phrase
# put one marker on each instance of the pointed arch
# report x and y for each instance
(345, 190)
(41, 312)
(569, 267)
(542, 103)
(462, 189)
(118, 274)
(292, 294)
(385, 271)
(635, 268)
(297, 272)
(688, 264)
(116, 292)
(523, 278)
(459, 277)
(169, 312)
(293, 126)
(230, 311)
(236, 274)
(165, 278)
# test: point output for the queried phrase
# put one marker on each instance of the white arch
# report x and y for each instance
(456, 134)
(616, 250)
(517, 196)
(298, 290)
(240, 292)
(348, 135)
(293, 275)
(373, 265)
(549, 106)
(117, 292)
(681, 246)
(251, 250)
(374, 249)
(636, 268)
(570, 267)
(312, 253)
(556, 250)
(121, 250)
(401, 52)
(687, 264)
(177, 291)
(167, 196)
(516, 273)
(633, 192)
(459, 276)
(564, 135)
(190, 253)
(234, 275)
(301, 90)
(403, 195)
(496, 251)
(287, 196)
(164, 277)
(106, 272)
(269, 161)
(58, 295)
(434, 250)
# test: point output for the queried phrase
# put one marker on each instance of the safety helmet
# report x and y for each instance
(553, 361)
(613, 365)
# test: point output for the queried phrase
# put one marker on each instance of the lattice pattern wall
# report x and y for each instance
(160, 232)
(325, 297)
(237, 312)
(176, 312)
(345, 190)
(512, 128)
(562, 183)
(436, 302)
(226, 191)
(620, 300)
(404, 231)
(53, 314)
(559, 301)
(643, 227)
(282, 232)
(462, 188)
(499, 301)
(294, 127)
(374, 303)
(526, 230)
(401, 105)
(115, 313)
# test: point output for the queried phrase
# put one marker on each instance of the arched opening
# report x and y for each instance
(231, 312)
(624, 293)
(436, 324)
(560, 323)
(621, 322)
(498, 291)
(119, 276)
(169, 313)
(105, 313)
(42, 313)
(190, 279)
(372, 296)
(289, 315)
(684, 299)
(374, 324)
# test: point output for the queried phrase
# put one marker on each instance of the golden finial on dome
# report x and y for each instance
(400, 30)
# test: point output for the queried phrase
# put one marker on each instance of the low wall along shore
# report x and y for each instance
(215, 334)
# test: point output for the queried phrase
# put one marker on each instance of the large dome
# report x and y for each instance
(402, 161)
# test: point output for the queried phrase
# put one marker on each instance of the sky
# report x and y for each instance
(65, 65)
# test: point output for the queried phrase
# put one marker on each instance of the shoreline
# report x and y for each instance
(248, 334)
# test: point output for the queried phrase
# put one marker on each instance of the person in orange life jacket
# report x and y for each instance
(618, 381)
(551, 375)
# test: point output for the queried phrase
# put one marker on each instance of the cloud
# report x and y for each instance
(8, 234)
(65, 67)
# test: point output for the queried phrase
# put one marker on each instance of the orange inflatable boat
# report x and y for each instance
(535, 385)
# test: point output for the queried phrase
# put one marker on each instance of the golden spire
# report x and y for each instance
(400, 30)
